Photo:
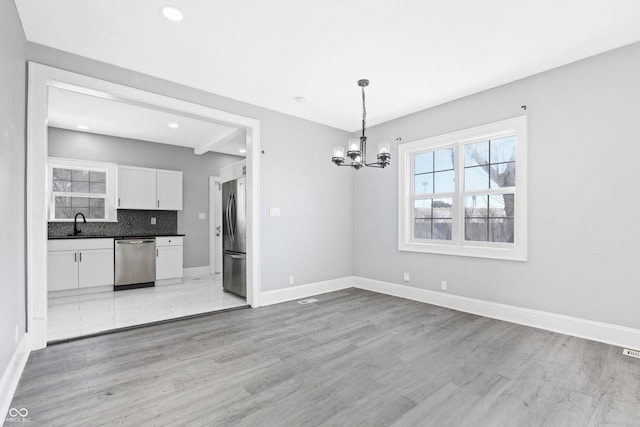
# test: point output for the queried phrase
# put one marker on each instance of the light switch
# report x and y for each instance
(274, 211)
(153, 221)
(201, 215)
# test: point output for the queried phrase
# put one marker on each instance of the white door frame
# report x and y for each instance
(41, 78)
(215, 217)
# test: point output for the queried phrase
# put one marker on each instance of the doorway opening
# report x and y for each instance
(42, 80)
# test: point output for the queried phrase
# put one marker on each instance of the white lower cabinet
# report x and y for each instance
(79, 263)
(95, 267)
(62, 270)
(169, 265)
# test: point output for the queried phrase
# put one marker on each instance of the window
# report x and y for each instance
(78, 186)
(464, 193)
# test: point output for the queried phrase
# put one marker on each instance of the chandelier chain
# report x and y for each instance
(364, 112)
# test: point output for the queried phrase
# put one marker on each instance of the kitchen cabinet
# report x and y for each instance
(169, 263)
(234, 171)
(240, 169)
(150, 189)
(95, 267)
(79, 263)
(136, 188)
(62, 270)
(169, 190)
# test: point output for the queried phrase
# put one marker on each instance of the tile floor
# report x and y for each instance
(76, 316)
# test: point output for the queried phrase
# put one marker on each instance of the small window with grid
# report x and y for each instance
(81, 188)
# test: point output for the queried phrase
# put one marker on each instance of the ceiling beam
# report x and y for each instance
(198, 150)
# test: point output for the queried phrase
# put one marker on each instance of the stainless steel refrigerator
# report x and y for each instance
(234, 241)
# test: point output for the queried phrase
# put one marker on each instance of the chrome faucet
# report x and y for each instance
(75, 223)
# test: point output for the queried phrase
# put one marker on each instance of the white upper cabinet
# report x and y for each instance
(169, 190)
(136, 188)
(152, 189)
(234, 171)
(240, 169)
(227, 174)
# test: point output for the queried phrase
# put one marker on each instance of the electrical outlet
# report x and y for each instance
(291, 281)
(201, 215)
(274, 211)
(17, 332)
(443, 285)
(153, 221)
(406, 277)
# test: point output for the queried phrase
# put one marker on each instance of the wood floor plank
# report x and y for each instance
(352, 358)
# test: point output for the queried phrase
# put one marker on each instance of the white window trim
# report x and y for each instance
(458, 246)
(111, 212)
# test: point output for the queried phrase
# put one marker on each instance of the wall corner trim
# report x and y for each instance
(12, 373)
(607, 333)
(304, 291)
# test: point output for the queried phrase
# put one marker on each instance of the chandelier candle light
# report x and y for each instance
(357, 148)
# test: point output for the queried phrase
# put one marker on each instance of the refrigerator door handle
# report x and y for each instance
(233, 217)
(228, 218)
(237, 256)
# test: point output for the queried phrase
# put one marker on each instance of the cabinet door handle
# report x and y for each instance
(75, 257)
(80, 256)
(157, 253)
(158, 203)
(118, 201)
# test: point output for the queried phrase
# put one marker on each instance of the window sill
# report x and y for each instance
(510, 254)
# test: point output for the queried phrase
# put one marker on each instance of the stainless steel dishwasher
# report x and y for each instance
(135, 263)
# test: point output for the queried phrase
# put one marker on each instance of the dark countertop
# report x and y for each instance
(111, 236)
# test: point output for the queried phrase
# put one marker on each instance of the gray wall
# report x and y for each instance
(312, 239)
(12, 180)
(584, 151)
(196, 172)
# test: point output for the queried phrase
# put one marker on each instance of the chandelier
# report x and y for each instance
(357, 149)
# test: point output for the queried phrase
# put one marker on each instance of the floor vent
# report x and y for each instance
(307, 301)
(632, 353)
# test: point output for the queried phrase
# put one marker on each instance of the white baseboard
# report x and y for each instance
(11, 375)
(79, 291)
(607, 333)
(173, 281)
(596, 331)
(304, 291)
(196, 271)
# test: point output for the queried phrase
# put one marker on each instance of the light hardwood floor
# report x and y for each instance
(354, 358)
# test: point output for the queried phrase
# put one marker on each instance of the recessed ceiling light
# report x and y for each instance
(242, 150)
(172, 14)
(174, 125)
(83, 127)
(300, 99)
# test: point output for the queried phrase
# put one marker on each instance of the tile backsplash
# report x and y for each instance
(130, 223)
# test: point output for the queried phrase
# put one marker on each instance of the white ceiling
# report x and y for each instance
(68, 110)
(417, 53)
